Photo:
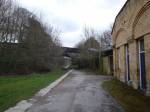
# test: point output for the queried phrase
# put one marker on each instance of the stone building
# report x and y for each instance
(131, 44)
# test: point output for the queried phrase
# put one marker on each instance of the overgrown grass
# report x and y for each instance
(131, 100)
(16, 88)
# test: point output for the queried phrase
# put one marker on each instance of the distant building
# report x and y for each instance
(131, 44)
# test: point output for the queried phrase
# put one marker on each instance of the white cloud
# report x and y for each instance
(72, 15)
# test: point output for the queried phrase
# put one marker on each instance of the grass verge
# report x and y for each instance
(131, 100)
(16, 88)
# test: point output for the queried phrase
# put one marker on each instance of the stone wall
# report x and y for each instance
(131, 24)
(106, 66)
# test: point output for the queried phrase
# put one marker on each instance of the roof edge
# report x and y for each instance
(119, 14)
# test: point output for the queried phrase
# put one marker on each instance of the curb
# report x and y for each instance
(44, 91)
(23, 105)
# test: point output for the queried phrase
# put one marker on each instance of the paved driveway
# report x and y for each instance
(80, 92)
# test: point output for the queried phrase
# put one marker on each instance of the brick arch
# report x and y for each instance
(117, 37)
(143, 10)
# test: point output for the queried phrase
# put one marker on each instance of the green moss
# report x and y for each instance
(131, 100)
(17, 88)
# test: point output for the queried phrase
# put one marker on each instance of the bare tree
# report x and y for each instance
(26, 44)
(105, 39)
(21, 17)
(90, 49)
(5, 13)
(92, 46)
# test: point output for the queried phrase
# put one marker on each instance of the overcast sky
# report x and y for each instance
(70, 16)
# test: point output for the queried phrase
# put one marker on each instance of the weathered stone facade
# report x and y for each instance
(132, 26)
